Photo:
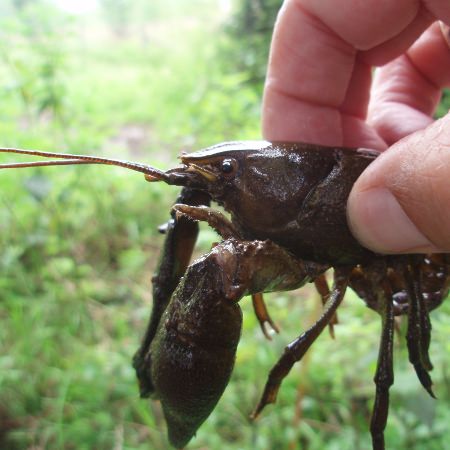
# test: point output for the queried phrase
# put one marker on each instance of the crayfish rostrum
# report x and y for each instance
(287, 203)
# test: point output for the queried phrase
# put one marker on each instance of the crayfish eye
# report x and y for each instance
(228, 166)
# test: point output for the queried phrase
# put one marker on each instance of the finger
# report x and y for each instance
(400, 203)
(309, 71)
(439, 9)
(365, 24)
(406, 92)
(353, 110)
(399, 44)
(312, 76)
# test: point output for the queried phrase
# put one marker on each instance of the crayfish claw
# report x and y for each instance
(262, 314)
(162, 229)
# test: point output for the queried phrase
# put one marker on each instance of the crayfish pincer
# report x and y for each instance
(287, 203)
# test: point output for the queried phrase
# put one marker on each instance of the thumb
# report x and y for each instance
(401, 203)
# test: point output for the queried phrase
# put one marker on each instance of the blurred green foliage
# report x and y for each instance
(245, 45)
(35, 76)
(78, 245)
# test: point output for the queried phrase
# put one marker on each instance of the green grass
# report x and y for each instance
(79, 245)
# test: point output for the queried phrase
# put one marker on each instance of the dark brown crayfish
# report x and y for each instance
(288, 225)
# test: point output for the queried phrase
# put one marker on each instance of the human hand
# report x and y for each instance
(318, 90)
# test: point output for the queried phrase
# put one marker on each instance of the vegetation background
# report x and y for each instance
(144, 80)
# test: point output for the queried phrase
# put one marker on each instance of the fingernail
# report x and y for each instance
(379, 222)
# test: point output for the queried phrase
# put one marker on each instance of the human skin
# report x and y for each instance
(319, 89)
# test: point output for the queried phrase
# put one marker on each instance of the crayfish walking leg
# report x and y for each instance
(295, 350)
(384, 376)
(419, 326)
(322, 288)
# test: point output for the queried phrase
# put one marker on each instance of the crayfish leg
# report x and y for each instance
(384, 376)
(323, 289)
(215, 219)
(263, 316)
(435, 270)
(418, 335)
(296, 349)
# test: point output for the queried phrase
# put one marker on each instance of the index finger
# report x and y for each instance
(319, 74)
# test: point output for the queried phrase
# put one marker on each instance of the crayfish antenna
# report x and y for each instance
(150, 173)
(64, 162)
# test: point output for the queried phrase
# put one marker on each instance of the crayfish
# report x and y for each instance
(287, 203)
